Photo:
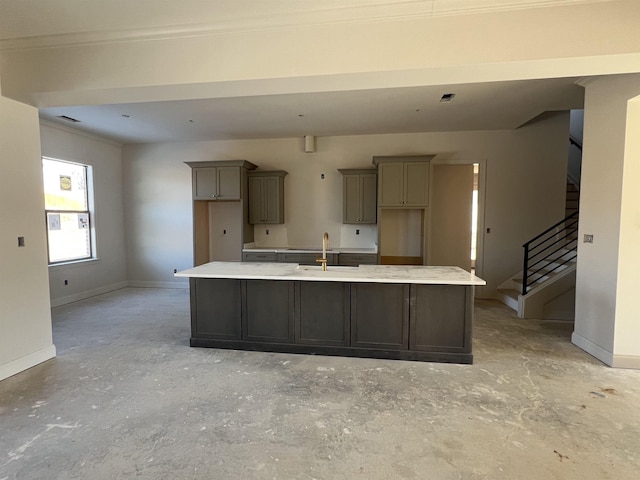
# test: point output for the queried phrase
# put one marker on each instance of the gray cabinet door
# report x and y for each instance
(228, 183)
(204, 183)
(380, 315)
(355, 259)
(259, 257)
(391, 184)
(441, 318)
(359, 197)
(216, 183)
(268, 312)
(416, 184)
(266, 199)
(256, 210)
(369, 196)
(351, 199)
(272, 200)
(215, 308)
(322, 313)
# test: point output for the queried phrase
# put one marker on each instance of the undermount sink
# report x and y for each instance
(330, 268)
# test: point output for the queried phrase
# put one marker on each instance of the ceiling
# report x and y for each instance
(483, 106)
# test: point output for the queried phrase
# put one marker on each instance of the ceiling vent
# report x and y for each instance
(68, 119)
(447, 98)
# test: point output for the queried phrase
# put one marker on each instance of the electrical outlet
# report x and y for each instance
(21, 241)
(267, 231)
(357, 231)
(175, 270)
(588, 238)
(322, 176)
(66, 282)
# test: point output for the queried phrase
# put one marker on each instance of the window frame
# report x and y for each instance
(89, 212)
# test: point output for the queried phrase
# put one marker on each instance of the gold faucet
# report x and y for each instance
(325, 244)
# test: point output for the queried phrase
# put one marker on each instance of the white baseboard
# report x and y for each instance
(592, 349)
(143, 284)
(23, 363)
(56, 302)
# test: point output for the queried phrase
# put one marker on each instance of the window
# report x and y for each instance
(66, 203)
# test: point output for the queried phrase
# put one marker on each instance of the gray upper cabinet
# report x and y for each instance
(266, 197)
(403, 181)
(359, 195)
(220, 181)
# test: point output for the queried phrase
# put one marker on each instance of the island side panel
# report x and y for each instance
(380, 316)
(322, 313)
(215, 308)
(441, 318)
(268, 311)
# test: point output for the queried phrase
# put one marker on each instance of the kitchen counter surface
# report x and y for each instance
(308, 250)
(364, 273)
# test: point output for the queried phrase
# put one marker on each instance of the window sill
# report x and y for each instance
(74, 264)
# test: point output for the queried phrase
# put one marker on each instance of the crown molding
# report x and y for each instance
(363, 13)
(82, 133)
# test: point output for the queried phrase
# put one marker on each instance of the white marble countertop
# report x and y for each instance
(363, 273)
(308, 250)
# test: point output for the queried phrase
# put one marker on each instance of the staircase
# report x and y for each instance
(545, 288)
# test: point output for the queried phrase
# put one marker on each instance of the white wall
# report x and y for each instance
(25, 317)
(606, 322)
(108, 271)
(526, 176)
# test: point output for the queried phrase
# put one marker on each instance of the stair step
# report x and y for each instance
(509, 292)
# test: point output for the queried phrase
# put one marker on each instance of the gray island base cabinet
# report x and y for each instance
(404, 321)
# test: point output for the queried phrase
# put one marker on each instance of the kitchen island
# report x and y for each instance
(395, 312)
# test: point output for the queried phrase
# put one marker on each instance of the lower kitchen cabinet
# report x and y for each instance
(259, 257)
(322, 313)
(355, 259)
(268, 311)
(448, 308)
(307, 258)
(380, 320)
(380, 315)
(216, 308)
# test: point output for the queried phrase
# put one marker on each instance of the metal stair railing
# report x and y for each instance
(554, 245)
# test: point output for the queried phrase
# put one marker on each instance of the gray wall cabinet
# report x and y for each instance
(403, 181)
(359, 195)
(217, 183)
(266, 197)
(379, 320)
(219, 190)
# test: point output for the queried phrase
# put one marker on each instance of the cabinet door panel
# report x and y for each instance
(215, 308)
(228, 183)
(391, 184)
(268, 312)
(352, 199)
(368, 194)
(204, 183)
(441, 318)
(256, 212)
(322, 313)
(272, 201)
(416, 184)
(380, 315)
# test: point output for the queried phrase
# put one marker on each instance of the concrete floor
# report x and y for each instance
(127, 398)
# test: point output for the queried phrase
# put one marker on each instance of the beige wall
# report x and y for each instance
(606, 310)
(25, 317)
(520, 165)
(108, 272)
